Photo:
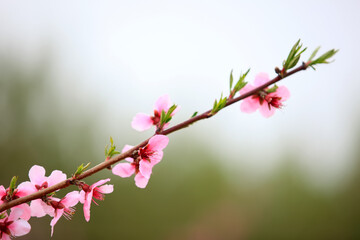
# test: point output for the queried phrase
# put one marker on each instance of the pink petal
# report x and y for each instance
(26, 215)
(82, 197)
(2, 193)
(156, 157)
(125, 149)
(163, 103)
(107, 188)
(19, 228)
(145, 168)
(5, 237)
(283, 92)
(265, 111)
(141, 181)
(249, 105)
(58, 214)
(37, 175)
(71, 199)
(40, 209)
(98, 183)
(124, 170)
(15, 214)
(248, 87)
(261, 79)
(87, 204)
(25, 188)
(158, 142)
(56, 177)
(141, 122)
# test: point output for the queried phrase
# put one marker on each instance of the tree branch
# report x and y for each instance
(103, 165)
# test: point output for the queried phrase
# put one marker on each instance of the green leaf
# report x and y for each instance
(12, 186)
(81, 169)
(2, 215)
(273, 89)
(194, 114)
(231, 80)
(324, 58)
(218, 105)
(166, 117)
(314, 54)
(241, 82)
(294, 56)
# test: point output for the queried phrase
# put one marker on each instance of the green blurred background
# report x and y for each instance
(70, 78)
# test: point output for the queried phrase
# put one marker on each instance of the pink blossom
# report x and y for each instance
(13, 226)
(264, 101)
(143, 121)
(147, 158)
(22, 190)
(38, 182)
(63, 207)
(94, 191)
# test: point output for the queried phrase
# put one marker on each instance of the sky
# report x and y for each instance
(122, 55)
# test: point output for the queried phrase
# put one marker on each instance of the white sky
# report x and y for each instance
(125, 54)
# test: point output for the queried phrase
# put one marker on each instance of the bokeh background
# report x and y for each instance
(73, 73)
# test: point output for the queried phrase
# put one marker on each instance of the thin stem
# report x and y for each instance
(128, 153)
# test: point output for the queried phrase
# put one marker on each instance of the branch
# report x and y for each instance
(108, 163)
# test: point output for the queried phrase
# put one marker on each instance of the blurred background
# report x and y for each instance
(73, 73)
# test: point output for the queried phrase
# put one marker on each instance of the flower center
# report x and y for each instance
(273, 101)
(156, 117)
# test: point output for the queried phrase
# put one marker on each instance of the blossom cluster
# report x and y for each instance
(139, 163)
(16, 223)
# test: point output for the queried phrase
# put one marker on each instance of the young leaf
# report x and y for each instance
(194, 114)
(313, 54)
(231, 80)
(12, 185)
(81, 169)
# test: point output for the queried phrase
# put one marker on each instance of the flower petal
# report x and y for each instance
(98, 183)
(141, 122)
(71, 199)
(19, 228)
(107, 188)
(145, 168)
(283, 92)
(37, 175)
(249, 105)
(82, 197)
(55, 177)
(124, 170)
(15, 214)
(25, 188)
(2, 193)
(248, 87)
(87, 203)
(260, 79)
(141, 181)
(58, 214)
(158, 142)
(265, 111)
(5, 237)
(163, 103)
(156, 157)
(125, 149)
(40, 209)
(26, 215)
